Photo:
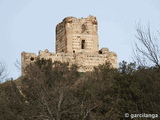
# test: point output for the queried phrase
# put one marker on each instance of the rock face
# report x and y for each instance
(76, 43)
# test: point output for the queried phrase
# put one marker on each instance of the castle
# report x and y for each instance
(76, 43)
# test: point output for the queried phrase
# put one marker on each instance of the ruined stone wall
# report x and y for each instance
(84, 61)
(26, 59)
(61, 40)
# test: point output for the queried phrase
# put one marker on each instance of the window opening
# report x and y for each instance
(100, 52)
(83, 44)
(32, 58)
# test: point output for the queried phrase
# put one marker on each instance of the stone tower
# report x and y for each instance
(77, 35)
(76, 43)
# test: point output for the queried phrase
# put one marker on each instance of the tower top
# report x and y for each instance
(77, 35)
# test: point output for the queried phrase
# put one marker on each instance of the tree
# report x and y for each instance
(47, 90)
(147, 52)
(3, 73)
(137, 90)
(61, 93)
(11, 101)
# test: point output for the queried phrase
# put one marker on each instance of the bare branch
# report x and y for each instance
(18, 64)
(3, 72)
(148, 50)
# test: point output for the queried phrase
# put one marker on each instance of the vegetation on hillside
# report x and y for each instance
(62, 93)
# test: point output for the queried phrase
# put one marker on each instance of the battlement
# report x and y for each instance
(76, 43)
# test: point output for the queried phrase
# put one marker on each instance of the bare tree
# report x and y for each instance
(18, 64)
(3, 72)
(146, 50)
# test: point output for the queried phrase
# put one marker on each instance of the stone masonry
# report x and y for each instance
(76, 43)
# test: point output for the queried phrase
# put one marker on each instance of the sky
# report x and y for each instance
(29, 25)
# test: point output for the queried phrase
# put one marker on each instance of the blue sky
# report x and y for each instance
(29, 25)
